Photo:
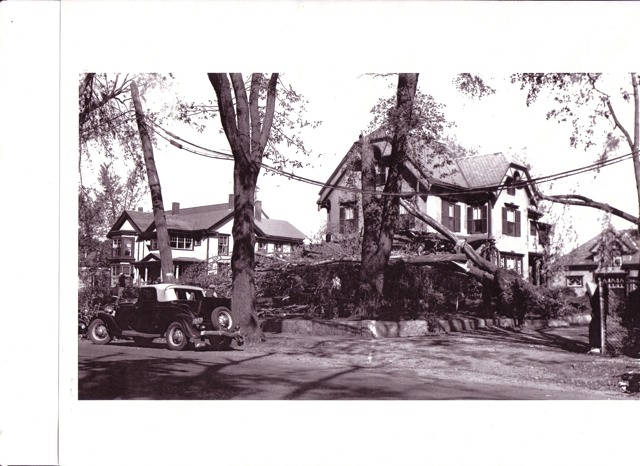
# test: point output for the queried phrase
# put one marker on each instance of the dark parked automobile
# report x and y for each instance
(181, 314)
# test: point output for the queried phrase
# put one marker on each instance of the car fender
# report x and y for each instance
(109, 321)
(186, 319)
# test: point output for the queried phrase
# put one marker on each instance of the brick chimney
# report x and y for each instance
(175, 208)
(140, 209)
(231, 197)
(257, 209)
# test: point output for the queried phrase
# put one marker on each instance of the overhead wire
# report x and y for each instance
(178, 141)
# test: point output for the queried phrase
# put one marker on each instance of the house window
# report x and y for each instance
(380, 175)
(477, 219)
(451, 216)
(533, 231)
(575, 281)
(223, 245)
(511, 262)
(511, 221)
(262, 247)
(348, 219)
(116, 246)
(278, 247)
(122, 247)
(617, 261)
(180, 242)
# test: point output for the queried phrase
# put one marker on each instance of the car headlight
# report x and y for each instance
(197, 321)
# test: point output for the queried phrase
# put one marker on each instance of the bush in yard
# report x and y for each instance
(630, 319)
(200, 275)
(410, 292)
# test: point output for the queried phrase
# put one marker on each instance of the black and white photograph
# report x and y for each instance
(388, 259)
(324, 233)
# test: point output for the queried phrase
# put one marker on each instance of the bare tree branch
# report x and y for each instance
(578, 200)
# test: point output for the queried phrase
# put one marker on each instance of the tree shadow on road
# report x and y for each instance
(157, 378)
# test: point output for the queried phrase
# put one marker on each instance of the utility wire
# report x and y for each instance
(215, 154)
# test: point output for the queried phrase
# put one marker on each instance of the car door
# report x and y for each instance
(145, 307)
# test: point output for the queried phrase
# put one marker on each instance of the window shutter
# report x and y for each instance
(505, 226)
(356, 218)
(517, 223)
(483, 216)
(445, 214)
(456, 218)
(469, 219)
(342, 216)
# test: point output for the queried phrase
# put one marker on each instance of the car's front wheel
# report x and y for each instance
(177, 338)
(99, 332)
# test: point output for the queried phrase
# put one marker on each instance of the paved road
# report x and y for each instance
(122, 370)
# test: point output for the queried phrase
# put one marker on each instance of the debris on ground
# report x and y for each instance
(630, 380)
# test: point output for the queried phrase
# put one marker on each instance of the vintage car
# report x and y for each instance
(181, 314)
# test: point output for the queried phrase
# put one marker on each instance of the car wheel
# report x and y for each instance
(220, 343)
(222, 319)
(99, 332)
(177, 338)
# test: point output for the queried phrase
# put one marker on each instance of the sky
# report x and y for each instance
(342, 102)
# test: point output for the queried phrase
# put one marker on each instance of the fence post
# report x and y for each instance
(603, 333)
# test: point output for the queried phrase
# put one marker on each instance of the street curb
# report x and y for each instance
(406, 328)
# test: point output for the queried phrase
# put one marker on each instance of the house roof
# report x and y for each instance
(211, 217)
(278, 229)
(139, 220)
(472, 172)
(583, 254)
(198, 218)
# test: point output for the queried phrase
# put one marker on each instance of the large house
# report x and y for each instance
(611, 255)
(474, 197)
(196, 235)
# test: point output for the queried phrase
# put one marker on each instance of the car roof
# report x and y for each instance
(166, 286)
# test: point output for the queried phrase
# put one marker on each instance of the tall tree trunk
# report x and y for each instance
(166, 260)
(372, 261)
(248, 133)
(243, 288)
(635, 146)
(381, 214)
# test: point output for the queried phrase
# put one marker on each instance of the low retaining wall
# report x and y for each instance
(408, 328)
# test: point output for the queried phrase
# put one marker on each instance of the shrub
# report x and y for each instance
(410, 292)
(199, 275)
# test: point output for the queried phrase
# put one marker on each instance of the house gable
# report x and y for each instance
(130, 222)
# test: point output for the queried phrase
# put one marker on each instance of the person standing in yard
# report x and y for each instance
(122, 283)
(211, 292)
